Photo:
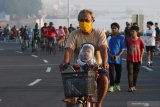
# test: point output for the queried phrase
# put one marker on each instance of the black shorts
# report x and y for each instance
(103, 72)
(26, 37)
(150, 48)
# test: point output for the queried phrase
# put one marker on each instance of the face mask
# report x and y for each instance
(85, 26)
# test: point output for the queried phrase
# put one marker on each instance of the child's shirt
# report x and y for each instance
(84, 65)
(134, 49)
(116, 44)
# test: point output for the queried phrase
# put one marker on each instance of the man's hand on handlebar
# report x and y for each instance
(63, 66)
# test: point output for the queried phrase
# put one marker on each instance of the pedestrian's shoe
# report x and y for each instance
(111, 89)
(134, 88)
(130, 89)
(117, 87)
(151, 64)
(148, 65)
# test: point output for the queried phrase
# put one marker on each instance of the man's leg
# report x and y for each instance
(148, 55)
(152, 54)
(102, 89)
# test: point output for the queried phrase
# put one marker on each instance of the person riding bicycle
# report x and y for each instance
(60, 37)
(87, 34)
(35, 35)
(44, 31)
(51, 33)
(25, 36)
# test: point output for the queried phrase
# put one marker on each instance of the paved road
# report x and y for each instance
(28, 80)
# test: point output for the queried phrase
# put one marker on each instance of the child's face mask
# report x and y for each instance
(87, 54)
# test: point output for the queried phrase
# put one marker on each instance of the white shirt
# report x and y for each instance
(150, 33)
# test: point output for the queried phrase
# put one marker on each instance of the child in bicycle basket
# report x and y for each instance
(86, 59)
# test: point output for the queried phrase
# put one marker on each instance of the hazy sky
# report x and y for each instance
(119, 10)
(118, 4)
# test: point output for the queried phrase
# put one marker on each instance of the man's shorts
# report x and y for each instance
(103, 72)
(150, 48)
(50, 39)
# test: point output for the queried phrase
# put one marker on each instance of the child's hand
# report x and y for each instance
(116, 57)
(77, 67)
(96, 75)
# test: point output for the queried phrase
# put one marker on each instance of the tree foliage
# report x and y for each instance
(21, 8)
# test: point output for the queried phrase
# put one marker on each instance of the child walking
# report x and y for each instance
(135, 51)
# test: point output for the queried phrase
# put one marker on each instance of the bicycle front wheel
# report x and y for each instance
(80, 105)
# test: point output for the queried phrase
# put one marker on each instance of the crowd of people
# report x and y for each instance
(107, 49)
(43, 34)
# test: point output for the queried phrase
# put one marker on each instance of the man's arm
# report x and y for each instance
(104, 55)
(67, 57)
(150, 38)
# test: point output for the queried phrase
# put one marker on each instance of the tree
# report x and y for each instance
(21, 8)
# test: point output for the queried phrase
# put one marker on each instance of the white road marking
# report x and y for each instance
(149, 69)
(34, 82)
(45, 61)
(48, 69)
(34, 56)
(19, 52)
(0, 99)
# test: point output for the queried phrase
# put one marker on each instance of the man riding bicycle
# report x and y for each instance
(51, 32)
(25, 37)
(44, 34)
(87, 34)
(36, 38)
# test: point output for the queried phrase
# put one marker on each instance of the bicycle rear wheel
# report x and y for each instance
(54, 49)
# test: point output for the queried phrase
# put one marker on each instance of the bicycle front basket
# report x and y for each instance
(78, 84)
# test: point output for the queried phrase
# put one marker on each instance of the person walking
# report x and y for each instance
(150, 43)
(135, 51)
(116, 49)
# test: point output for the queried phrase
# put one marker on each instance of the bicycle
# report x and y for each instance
(35, 46)
(51, 48)
(44, 43)
(24, 45)
(79, 87)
